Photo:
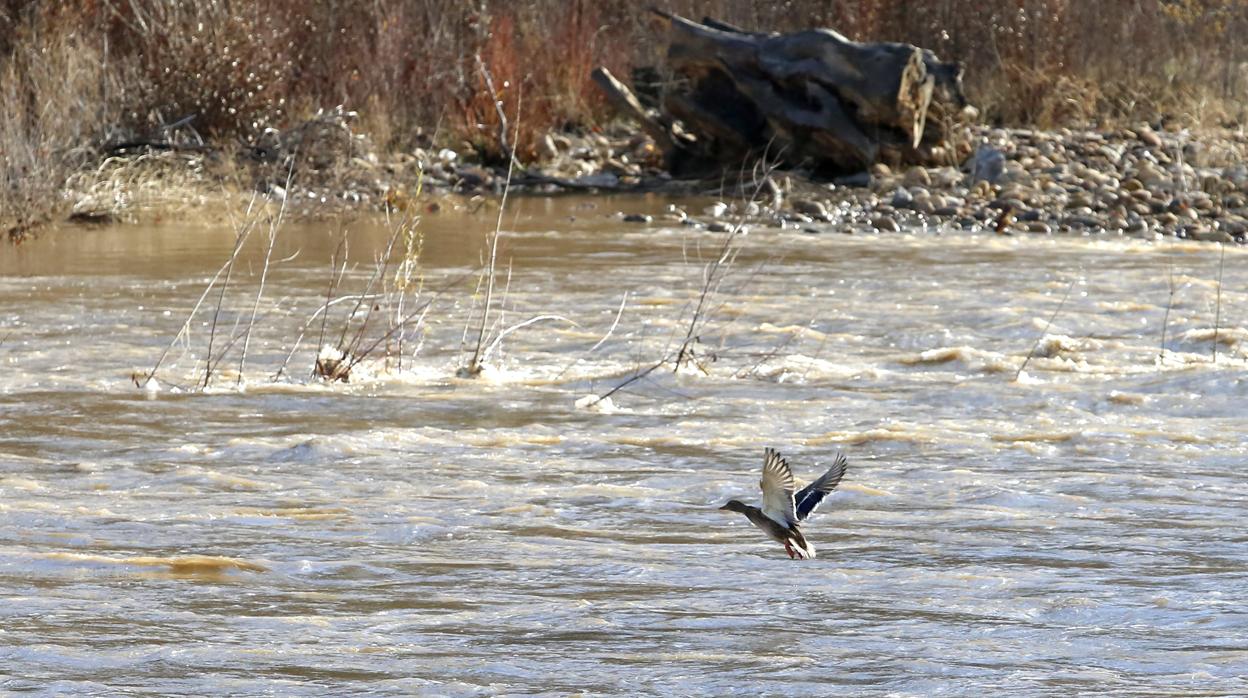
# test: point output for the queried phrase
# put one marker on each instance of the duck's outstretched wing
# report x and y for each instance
(812, 495)
(777, 484)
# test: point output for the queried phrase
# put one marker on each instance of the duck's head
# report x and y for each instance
(734, 505)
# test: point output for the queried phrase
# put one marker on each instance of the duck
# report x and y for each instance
(783, 511)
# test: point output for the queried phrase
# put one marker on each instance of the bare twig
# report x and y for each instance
(711, 276)
(714, 274)
(540, 318)
(1045, 331)
(308, 323)
(413, 244)
(379, 272)
(1165, 319)
(630, 380)
(186, 324)
(419, 312)
(274, 225)
(336, 272)
(1217, 308)
(618, 314)
(786, 341)
(474, 365)
(502, 115)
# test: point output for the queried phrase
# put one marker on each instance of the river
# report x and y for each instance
(1078, 528)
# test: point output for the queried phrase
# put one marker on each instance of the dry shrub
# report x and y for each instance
(539, 65)
(1055, 62)
(55, 92)
(228, 63)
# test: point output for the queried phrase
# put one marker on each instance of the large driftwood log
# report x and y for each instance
(813, 99)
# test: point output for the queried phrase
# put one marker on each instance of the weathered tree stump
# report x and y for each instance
(811, 99)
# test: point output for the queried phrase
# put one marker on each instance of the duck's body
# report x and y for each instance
(783, 509)
(791, 536)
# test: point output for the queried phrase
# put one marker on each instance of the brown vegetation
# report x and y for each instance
(79, 75)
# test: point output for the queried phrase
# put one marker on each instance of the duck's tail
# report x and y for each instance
(800, 545)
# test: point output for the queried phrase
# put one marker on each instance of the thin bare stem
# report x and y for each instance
(1035, 345)
(308, 323)
(383, 266)
(379, 272)
(499, 339)
(770, 354)
(711, 278)
(186, 324)
(713, 275)
(502, 115)
(216, 315)
(1217, 307)
(1165, 319)
(618, 314)
(475, 363)
(418, 312)
(336, 272)
(630, 380)
(274, 225)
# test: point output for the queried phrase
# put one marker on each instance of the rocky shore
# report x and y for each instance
(1140, 182)
(1145, 182)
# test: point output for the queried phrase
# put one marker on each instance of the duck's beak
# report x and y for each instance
(724, 508)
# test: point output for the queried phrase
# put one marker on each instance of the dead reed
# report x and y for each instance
(756, 181)
(1217, 306)
(1043, 333)
(1172, 287)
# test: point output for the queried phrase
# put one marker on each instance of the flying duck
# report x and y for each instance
(782, 510)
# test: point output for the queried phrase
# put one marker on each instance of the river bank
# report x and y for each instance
(1144, 181)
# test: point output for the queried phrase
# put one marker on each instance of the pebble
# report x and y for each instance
(886, 224)
(1149, 137)
(917, 177)
(809, 207)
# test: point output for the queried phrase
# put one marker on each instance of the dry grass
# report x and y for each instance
(55, 95)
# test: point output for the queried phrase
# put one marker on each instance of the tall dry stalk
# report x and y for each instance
(274, 225)
(473, 368)
(239, 239)
(1217, 307)
(406, 276)
(1036, 345)
(184, 331)
(717, 270)
(713, 275)
(1165, 318)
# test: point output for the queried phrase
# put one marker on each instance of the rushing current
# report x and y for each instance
(1074, 527)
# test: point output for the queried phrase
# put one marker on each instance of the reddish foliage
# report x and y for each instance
(410, 66)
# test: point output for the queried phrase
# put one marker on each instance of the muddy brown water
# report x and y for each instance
(1078, 529)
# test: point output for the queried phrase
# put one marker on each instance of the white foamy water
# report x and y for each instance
(1076, 529)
